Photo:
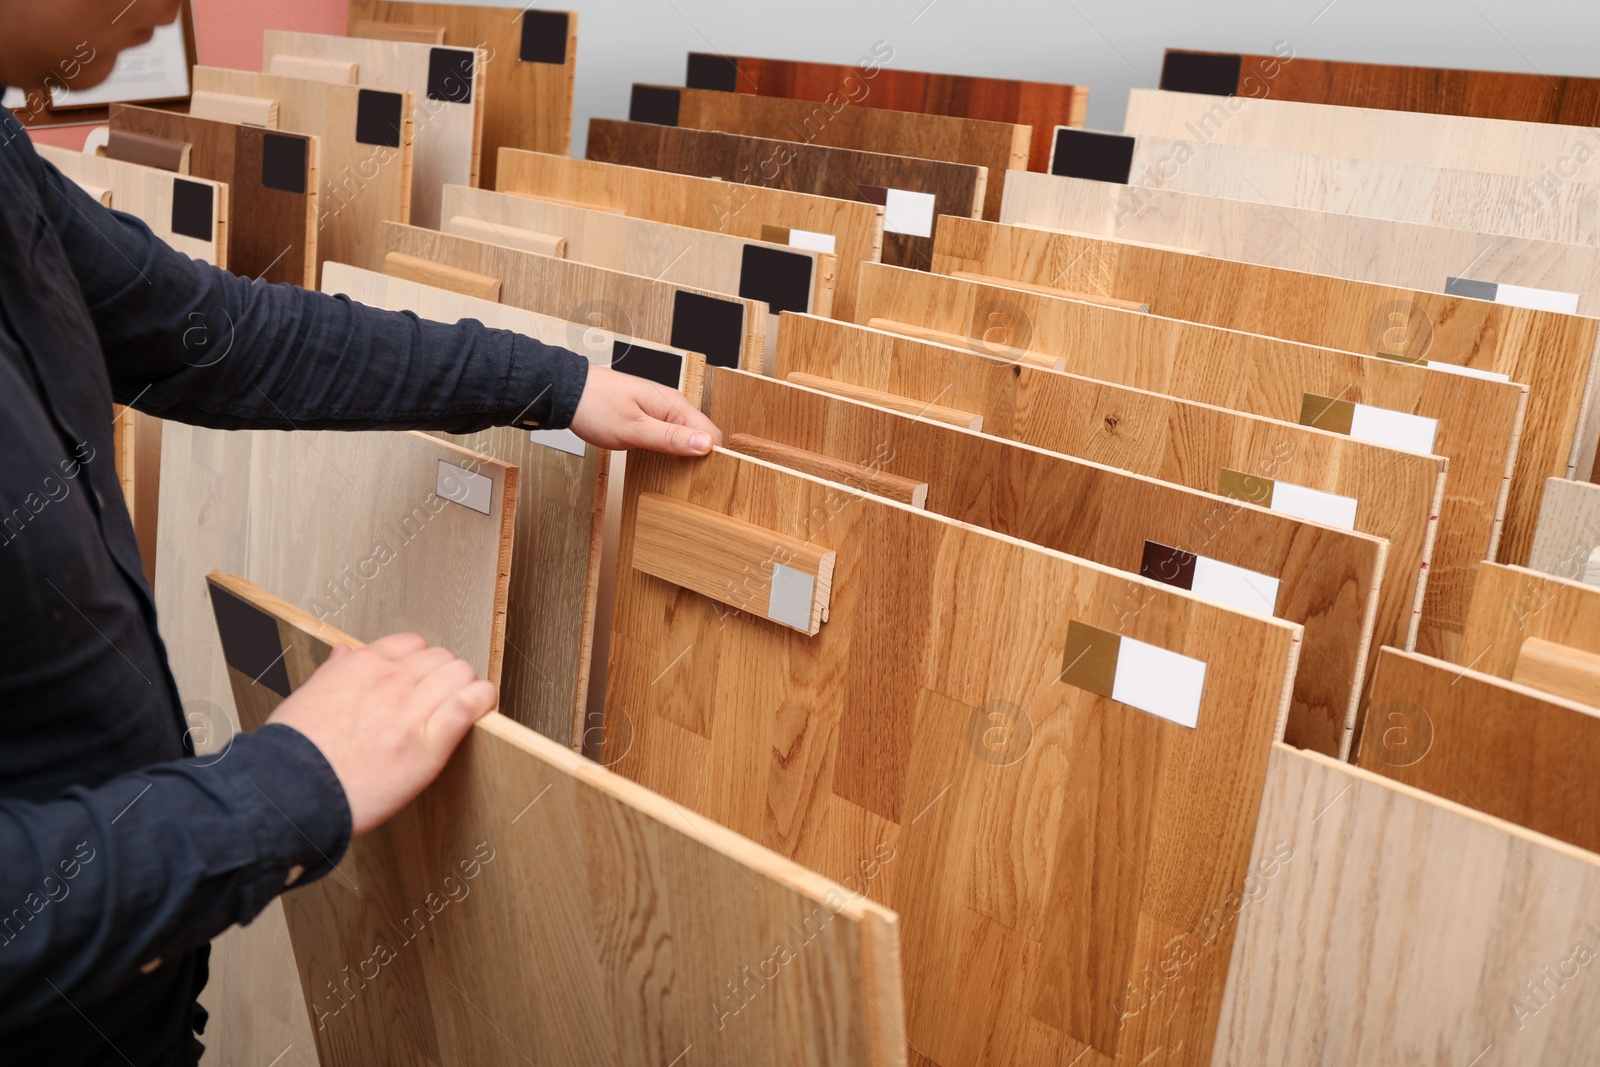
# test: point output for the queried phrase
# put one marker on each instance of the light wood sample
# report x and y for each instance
(1512, 604)
(854, 231)
(1565, 672)
(727, 330)
(1327, 579)
(530, 63)
(1204, 365)
(1389, 927)
(442, 276)
(606, 924)
(272, 182)
(447, 86)
(1039, 105)
(364, 138)
(1047, 842)
(914, 192)
(188, 213)
(230, 107)
(1569, 530)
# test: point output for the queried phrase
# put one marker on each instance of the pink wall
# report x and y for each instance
(228, 34)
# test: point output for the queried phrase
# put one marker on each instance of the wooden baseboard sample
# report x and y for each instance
(1570, 673)
(441, 276)
(1512, 604)
(868, 479)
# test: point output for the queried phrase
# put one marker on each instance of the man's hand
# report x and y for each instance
(620, 411)
(386, 717)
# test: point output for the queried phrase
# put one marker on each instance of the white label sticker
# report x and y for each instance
(1393, 429)
(1234, 587)
(1537, 299)
(560, 440)
(461, 486)
(817, 242)
(1468, 372)
(792, 593)
(908, 213)
(1160, 682)
(1314, 504)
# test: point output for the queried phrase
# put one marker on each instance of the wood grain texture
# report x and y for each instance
(1569, 529)
(843, 173)
(1512, 604)
(588, 296)
(1329, 578)
(1386, 926)
(1531, 430)
(363, 180)
(605, 923)
(1565, 672)
(528, 101)
(1490, 94)
(860, 752)
(868, 479)
(1327, 243)
(905, 405)
(1240, 372)
(1039, 105)
(442, 276)
(995, 146)
(147, 193)
(279, 243)
(446, 131)
(703, 204)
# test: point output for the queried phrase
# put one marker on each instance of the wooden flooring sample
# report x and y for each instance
(852, 231)
(364, 139)
(189, 213)
(1039, 105)
(1569, 530)
(729, 331)
(997, 146)
(1226, 369)
(1490, 94)
(272, 180)
(1387, 927)
(447, 86)
(530, 62)
(1512, 604)
(913, 192)
(946, 714)
(607, 923)
(1237, 554)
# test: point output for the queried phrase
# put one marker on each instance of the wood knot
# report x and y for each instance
(1111, 423)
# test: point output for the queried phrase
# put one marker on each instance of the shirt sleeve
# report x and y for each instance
(187, 341)
(101, 883)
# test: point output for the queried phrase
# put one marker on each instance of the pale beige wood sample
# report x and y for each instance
(1180, 441)
(511, 236)
(1384, 926)
(442, 276)
(1327, 579)
(1512, 604)
(606, 924)
(1320, 242)
(136, 441)
(229, 107)
(445, 133)
(705, 204)
(313, 68)
(529, 101)
(1248, 373)
(364, 182)
(873, 480)
(589, 296)
(147, 193)
(1568, 534)
(392, 31)
(1565, 672)
(1045, 842)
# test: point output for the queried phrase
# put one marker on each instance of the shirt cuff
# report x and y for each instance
(544, 385)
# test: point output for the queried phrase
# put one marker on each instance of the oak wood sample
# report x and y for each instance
(442, 276)
(1565, 672)
(1040, 105)
(1326, 579)
(448, 87)
(914, 192)
(868, 737)
(853, 231)
(872, 480)
(530, 63)
(272, 179)
(606, 922)
(1237, 371)
(364, 138)
(996, 146)
(1512, 604)
(727, 330)
(1569, 530)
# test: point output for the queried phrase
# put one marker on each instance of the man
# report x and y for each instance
(119, 858)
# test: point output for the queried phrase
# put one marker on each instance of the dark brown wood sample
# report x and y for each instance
(272, 182)
(1042, 105)
(913, 192)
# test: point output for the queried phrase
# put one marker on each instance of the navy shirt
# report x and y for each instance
(121, 855)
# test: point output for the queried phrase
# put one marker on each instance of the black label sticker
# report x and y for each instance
(250, 642)
(651, 364)
(654, 104)
(1201, 72)
(450, 75)
(378, 117)
(283, 163)
(708, 325)
(707, 71)
(1170, 566)
(1100, 157)
(191, 208)
(782, 279)
(544, 37)
(1473, 290)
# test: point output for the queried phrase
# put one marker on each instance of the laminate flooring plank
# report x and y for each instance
(850, 230)
(1513, 604)
(1039, 105)
(1016, 872)
(188, 213)
(1569, 530)
(448, 88)
(729, 331)
(272, 179)
(364, 138)
(1387, 926)
(1237, 554)
(604, 927)
(914, 191)
(530, 62)
(1239, 372)
(996, 146)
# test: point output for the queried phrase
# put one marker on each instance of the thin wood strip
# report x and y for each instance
(1565, 672)
(442, 276)
(868, 479)
(510, 236)
(894, 402)
(1042, 360)
(1048, 290)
